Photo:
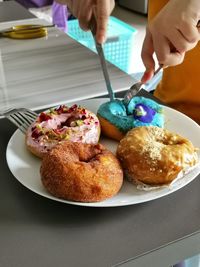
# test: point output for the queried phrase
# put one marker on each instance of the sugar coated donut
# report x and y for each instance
(73, 123)
(116, 119)
(81, 172)
(155, 156)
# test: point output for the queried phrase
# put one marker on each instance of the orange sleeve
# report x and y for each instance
(154, 6)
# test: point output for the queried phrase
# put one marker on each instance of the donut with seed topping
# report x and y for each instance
(155, 156)
(81, 172)
(73, 123)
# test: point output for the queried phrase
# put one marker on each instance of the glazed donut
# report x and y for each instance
(116, 119)
(73, 123)
(155, 156)
(81, 172)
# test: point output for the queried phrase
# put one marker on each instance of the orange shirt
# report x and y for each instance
(180, 85)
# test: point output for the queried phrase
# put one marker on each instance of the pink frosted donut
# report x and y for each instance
(74, 123)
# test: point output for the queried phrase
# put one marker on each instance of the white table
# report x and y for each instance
(13, 11)
(35, 231)
(39, 73)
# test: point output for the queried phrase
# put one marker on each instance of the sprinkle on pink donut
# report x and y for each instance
(73, 123)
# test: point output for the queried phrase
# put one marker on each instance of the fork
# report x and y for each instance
(20, 117)
(136, 87)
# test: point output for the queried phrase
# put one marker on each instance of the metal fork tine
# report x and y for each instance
(31, 114)
(26, 117)
(20, 120)
(17, 122)
(21, 117)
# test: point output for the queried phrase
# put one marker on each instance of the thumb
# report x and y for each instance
(147, 57)
(102, 16)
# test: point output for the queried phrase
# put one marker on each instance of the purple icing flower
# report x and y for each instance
(143, 113)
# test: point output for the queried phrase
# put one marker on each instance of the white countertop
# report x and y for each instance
(136, 20)
(12, 10)
(42, 72)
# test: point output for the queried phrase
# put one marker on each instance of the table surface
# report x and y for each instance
(38, 73)
(36, 231)
(16, 11)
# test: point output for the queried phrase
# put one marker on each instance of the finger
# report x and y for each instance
(180, 42)
(164, 52)
(112, 5)
(84, 19)
(174, 59)
(73, 8)
(68, 3)
(147, 51)
(63, 2)
(84, 13)
(190, 32)
(198, 26)
(102, 15)
(147, 57)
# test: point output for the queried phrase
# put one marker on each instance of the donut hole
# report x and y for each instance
(70, 122)
(171, 140)
(84, 153)
(87, 160)
(90, 156)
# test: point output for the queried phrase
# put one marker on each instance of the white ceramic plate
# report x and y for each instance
(26, 168)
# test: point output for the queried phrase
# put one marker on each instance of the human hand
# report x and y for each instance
(83, 10)
(171, 34)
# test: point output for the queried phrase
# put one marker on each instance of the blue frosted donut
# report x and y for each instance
(140, 111)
